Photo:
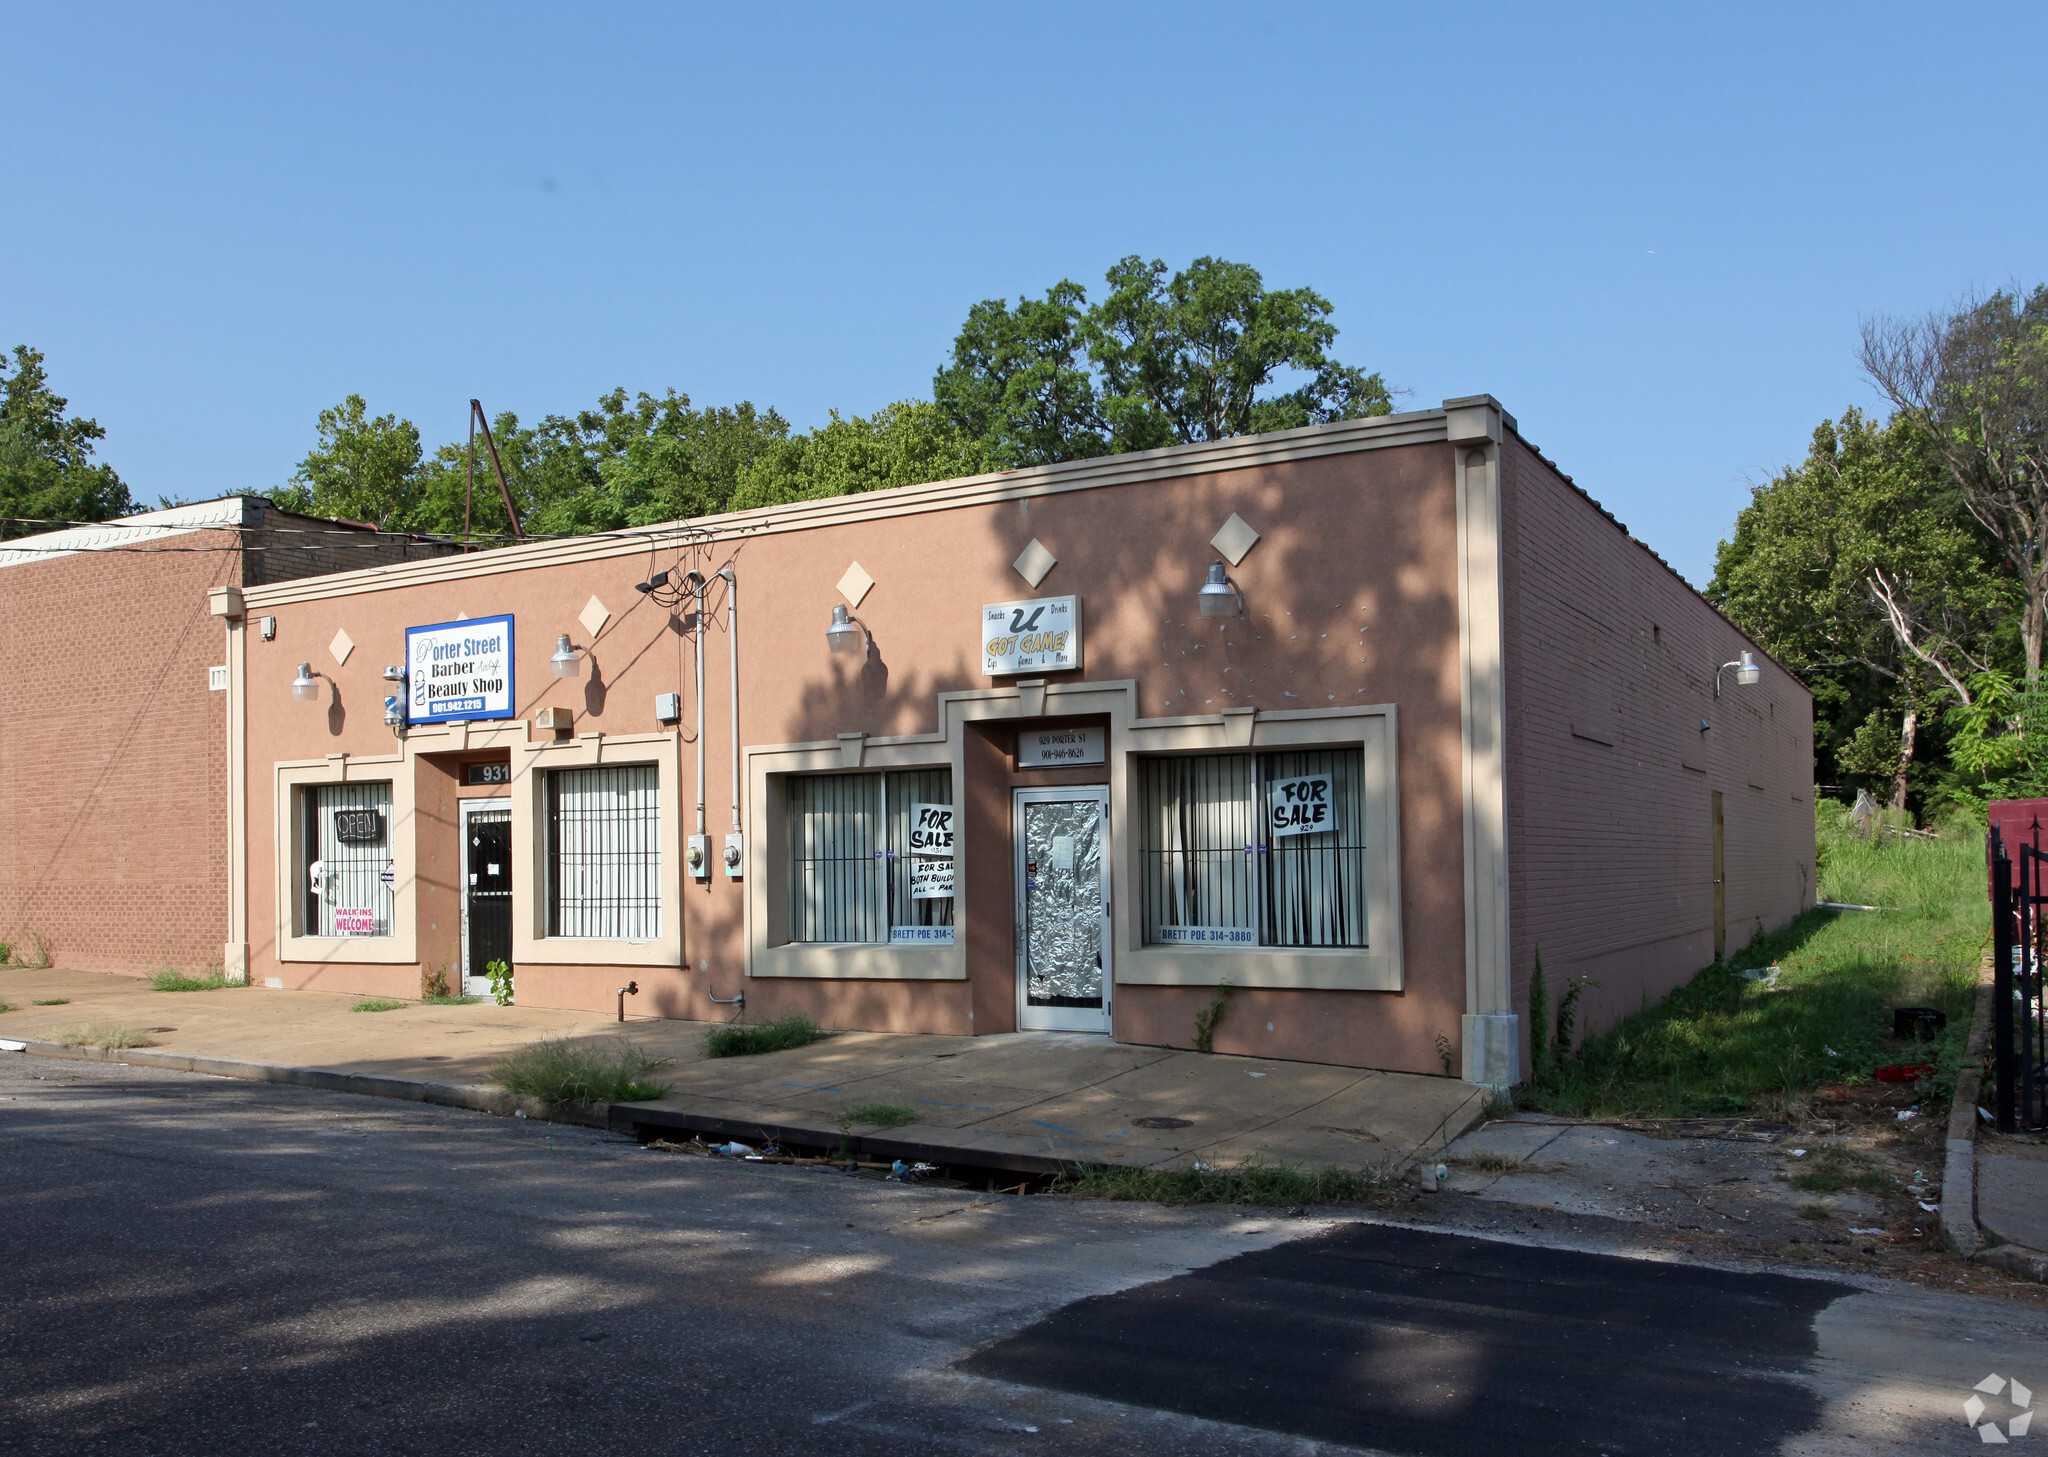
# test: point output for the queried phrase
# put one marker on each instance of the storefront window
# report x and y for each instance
(866, 862)
(604, 853)
(347, 859)
(1254, 849)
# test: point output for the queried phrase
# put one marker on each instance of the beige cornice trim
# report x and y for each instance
(1380, 432)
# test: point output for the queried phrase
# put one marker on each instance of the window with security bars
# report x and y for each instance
(604, 853)
(347, 859)
(1254, 849)
(854, 874)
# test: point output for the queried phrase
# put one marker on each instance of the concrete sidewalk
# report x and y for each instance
(1024, 1101)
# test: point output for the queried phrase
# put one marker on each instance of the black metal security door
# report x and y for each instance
(2019, 1030)
(488, 907)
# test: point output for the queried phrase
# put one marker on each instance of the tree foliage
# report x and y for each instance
(1975, 381)
(1160, 361)
(47, 472)
(1861, 570)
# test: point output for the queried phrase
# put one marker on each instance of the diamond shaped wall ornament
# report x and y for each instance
(341, 647)
(1034, 562)
(1235, 539)
(594, 616)
(855, 584)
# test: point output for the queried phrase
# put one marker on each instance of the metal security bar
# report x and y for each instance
(838, 880)
(2019, 1029)
(604, 853)
(1200, 872)
(849, 837)
(346, 892)
(1314, 892)
(1212, 874)
(900, 791)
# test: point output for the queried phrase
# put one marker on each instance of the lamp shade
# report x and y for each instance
(1218, 597)
(843, 635)
(565, 662)
(1747, 671)
(305, 687)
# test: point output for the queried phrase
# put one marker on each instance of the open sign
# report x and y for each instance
(1303, 806)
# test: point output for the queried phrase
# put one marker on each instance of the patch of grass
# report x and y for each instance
(1490, 1163)
(9, 1006)
(742, 1040)
(168, 980)
(377, 1004)
(558, 1070)
(1725, 1044)
(41, 953)
(1814, 1209)
(877, 1115)
(1832, 1170)
(54, 1002)
(1255, 1183)
(101, 1034)
(447, 1001)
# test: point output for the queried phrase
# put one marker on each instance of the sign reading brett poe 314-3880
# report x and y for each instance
(459, 670)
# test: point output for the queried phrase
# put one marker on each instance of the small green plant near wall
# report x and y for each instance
(54, 1002)
(6, 953)
(1443, 1052)
(377, 1004)
(738, 1040)
(39, 956)
(1209, 1016)
(169, 980)
(501, 982)
(434, 990)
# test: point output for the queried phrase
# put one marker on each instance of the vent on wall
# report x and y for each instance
(217, 679)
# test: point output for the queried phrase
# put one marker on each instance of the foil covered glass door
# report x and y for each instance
(1062, 850)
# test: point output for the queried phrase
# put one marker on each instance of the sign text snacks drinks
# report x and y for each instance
(1039, 636)
(459, 670)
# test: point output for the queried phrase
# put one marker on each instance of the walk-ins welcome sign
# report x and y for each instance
(459, 670)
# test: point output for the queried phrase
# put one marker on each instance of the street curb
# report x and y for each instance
(1959, 1170)
(446, 1095)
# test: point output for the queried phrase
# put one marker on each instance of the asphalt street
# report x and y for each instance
(198, 1265)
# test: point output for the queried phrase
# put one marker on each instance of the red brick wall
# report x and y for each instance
(1610, 662)
(113, 809)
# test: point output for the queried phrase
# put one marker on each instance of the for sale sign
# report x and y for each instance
(1303, 806)
(459, 670)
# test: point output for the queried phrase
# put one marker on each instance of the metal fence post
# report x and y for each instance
(2004, 947)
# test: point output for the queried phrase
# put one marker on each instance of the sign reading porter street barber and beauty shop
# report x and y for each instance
(1039, 636)
(459, 670)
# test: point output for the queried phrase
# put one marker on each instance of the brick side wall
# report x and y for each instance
(282, 546)
(1610, 662)
(113, 812)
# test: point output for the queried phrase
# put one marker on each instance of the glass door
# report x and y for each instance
(486, 891)
(1062, 856)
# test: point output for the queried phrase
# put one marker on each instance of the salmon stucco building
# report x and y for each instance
(1357, 718)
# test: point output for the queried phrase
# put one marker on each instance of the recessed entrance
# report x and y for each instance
(1063, 944)
(486, 890)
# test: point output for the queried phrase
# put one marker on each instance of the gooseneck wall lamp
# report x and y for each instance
(306, 686)
(565, 662)
(1220, 596)
(1746, 672)
(846, 633)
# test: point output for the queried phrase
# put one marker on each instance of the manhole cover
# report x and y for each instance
(1162, 1123)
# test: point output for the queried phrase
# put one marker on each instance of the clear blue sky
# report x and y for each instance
(1649, 229)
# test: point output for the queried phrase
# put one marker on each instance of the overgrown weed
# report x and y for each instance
(1726, 1044)
(739, 1039)
(1256, 1183)
(101, 1034)
(559, 1070)
(170, 980)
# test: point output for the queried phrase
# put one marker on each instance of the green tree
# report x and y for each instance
(1160, 361)
(46, 467)
(364, 468)
(1860, 570)
(1975, 380)
(904, 444)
